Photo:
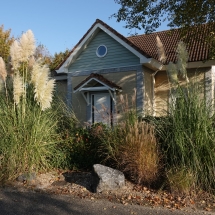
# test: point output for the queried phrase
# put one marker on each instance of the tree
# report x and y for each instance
(58, 58)
(150, 14)
(5, 42)
(43, 53)
(187, 15)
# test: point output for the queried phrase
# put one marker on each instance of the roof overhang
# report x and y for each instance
(196, 65)
(60, 77)
(153, 64)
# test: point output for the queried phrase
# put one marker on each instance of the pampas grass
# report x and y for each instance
(28, 124)
(182, 59)
(18, 89)
(187, 133)
(3, 72)
(43, 87)
(172, 73)
(27, 46)
(15, 53)
(160, 49)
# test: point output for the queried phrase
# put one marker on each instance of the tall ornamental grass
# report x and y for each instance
(28, 124)
(187, 133)
(188, 138)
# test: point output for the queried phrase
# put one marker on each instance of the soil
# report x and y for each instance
(79, 184)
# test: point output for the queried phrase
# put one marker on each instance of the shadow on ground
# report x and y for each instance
(21, 203)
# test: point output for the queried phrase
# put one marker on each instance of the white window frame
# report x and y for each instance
(104, 53)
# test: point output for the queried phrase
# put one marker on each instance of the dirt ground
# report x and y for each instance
(79, 184)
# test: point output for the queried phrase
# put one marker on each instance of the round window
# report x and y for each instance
(101, 51)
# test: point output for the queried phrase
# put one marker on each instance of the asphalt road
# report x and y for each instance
(34, 203)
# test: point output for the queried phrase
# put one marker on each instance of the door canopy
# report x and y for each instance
(96, 82)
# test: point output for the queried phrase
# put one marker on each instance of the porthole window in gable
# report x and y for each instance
(101, 51)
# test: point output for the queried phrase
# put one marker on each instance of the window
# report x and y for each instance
(101, 51)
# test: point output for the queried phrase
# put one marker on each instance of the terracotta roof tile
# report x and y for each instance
(195, 42)
(100, 78)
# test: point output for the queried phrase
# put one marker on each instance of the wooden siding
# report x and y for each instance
(61, 90)
(117, 55)
(79, 105)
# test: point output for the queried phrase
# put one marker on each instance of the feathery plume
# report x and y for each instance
(18, 89)
(46, 99)
(35, 73)
(27, 44)
(15, 51)
(182, 58)
(172, 73)
(3, 72)
(43, 87)
(31, 62)
(9, 68)
(161, 51)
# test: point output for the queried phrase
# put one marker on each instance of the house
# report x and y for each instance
(104, 65)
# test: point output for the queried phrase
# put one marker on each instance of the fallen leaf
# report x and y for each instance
(208, 209)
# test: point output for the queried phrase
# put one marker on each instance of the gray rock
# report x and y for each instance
(106, 178)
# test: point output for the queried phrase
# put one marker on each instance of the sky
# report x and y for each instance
(59, 24)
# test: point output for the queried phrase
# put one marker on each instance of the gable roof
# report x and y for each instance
(145, 44)
(99, 78)
(98, 24)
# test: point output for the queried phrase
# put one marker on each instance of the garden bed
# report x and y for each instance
(78, 184)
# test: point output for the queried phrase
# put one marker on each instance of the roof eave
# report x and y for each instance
(62, 69)
(196, 64)
(152, 63)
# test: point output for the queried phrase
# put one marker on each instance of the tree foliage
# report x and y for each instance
(187, 15)
(150, 14)
(43, 53)
(5, 42)
(58, 58)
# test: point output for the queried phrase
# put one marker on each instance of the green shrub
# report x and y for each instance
(180, 181)
(86, 146)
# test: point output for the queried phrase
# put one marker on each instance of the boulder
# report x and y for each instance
(106, 178)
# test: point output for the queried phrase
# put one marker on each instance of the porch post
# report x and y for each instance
(140, 91)
(69, 90)
(210, 88)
